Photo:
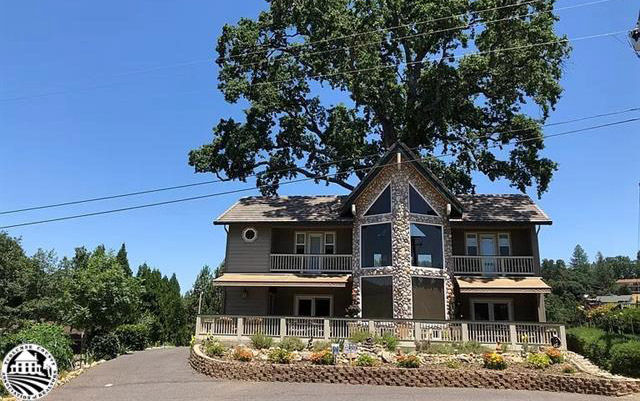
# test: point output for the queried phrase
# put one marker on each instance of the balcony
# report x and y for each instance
(310, 263)
(494, 265)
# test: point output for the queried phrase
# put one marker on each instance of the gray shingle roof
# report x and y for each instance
(284, 209)
(477, 208)
(501, 208)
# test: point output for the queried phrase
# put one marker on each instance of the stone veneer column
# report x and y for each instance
(401, 270)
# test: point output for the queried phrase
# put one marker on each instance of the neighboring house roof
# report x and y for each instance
(502, 285)
(416, 161)
(280, 280)
(501, 208)
(284, 209)
(628, 281)
(614, 299)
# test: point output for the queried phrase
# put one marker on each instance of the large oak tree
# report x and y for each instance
(429, 73)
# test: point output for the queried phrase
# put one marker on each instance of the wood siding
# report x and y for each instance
(255, 303)
(283, 238)
(248, 257)
(522, 240)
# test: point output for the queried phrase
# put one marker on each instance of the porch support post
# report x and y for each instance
(372, 327)
(417, 331)
(542, 313)
(240, 327)
(327, 329)
(513, 334)
(283, 327)
(563, 337)
(198, 326)
(465, 332)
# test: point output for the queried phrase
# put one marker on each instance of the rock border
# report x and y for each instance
(391, 376)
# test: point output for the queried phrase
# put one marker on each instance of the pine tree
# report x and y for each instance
(579, 257)
(123, 260)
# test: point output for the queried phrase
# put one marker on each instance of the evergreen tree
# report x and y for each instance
(123, 260)
(579, 257)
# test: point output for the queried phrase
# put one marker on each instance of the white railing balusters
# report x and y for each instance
(310, 263)
(494, 265)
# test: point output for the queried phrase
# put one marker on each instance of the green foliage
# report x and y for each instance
(538, 360)
(412, 90)
(105, 346)
(292, 344)
(242, 354)
(388, 340)
(408, 361)
(213, 347)
(453, 364)
(324, 357)
(495, 361)
(133, 337)
(321, 345)
(596, 344)
(212, 296)
(279, 355)
(123, 260)
(49, 336)
(555, 355)
(367, 360)
(359, 336)
(261, 341)
(625, 359)
(470, 347)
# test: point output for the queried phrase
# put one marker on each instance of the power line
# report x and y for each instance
(182, 186)
(429, 33)
(453, 56)
(148, 205)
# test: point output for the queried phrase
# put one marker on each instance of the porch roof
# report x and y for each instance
(502, 285)
(280, 280)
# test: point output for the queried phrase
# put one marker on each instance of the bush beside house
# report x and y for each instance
(599, 346)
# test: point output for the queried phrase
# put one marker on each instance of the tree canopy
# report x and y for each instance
(426, 72)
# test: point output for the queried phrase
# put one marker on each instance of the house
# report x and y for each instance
(401, 245)
(633, 284)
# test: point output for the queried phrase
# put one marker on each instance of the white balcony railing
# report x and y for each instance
(494, 265)
(310, 263)
(515, 333)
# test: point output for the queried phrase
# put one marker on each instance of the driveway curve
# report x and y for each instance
(164, 374)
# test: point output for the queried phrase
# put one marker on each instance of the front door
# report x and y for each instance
(488, 251)
(315, 248)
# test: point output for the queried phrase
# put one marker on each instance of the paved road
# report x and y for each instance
(164, 374)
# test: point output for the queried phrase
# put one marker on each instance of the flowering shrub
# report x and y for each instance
(322, 358)
(555, 355)
(279, 355)
(367, 360)
(539, 361)
(408, 361)
(242, 354)
(568, 369)
(493, 360)
(213, 347)
(292, 344)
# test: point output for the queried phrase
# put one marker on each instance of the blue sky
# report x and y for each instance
(99, 98)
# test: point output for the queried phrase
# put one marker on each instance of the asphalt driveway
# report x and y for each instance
(164, 374)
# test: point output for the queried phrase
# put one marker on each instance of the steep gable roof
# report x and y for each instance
(415, 160)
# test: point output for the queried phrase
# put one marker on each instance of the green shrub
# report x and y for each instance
(568, 369)
(322, 358)
(625, 359)
(538, 361)
(596, 344)
(359, 336)
(388, 340)
(133, 337)
(367, 360)
(242, 354)
(408, 361)
(453, 364)
(492, 360)
(261, 341)
(105, 346)
(321, 346)
(470, 347)
(213, 348)
(279, 355)
(49, 336)
(292, 344)
(555, 355)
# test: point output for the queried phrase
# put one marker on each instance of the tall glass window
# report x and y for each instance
(375, 243)
(426, 246)
(377, 297)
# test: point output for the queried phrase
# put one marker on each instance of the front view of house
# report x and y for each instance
(400, 246)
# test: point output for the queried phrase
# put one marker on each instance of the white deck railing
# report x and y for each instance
(310, 263)
(494, 265)
(514, 333)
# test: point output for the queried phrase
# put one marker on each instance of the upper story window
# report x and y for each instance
(375, 245)
(301, 241)
(504, 245)
(488, 244)
(419, 205)
(472, 244)
(249, 234)
(382, 204)
(426, 245)
(329, 243)
(315, 242)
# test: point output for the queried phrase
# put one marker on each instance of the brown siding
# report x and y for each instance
(255, 303)
(525, 306)
(285, 299)
(283, 238)
(248, 257)
(521, 238)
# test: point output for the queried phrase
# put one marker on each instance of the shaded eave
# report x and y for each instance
(415, 160)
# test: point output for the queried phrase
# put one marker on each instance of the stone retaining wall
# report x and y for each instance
(391, 376)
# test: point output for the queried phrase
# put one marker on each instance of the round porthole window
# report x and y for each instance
(249, 234)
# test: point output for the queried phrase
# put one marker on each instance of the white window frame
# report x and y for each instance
(423, 198)
(466, 243)
(361, 292)
(296, 243)
(444, 258)
(324, 242)
(244, 232)
(364, 214)
(360, 242)
(313, 298)
(496, 235)
(306, 241)
(491, 302)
